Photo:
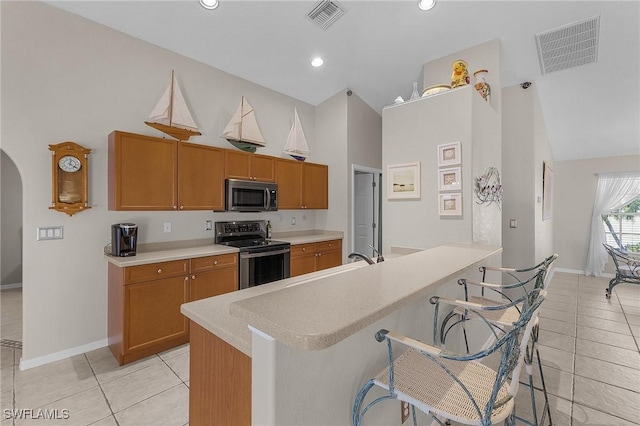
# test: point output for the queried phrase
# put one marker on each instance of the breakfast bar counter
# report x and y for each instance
(311, 342)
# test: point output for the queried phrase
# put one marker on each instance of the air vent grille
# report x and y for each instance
(569, 46)
(325, 13)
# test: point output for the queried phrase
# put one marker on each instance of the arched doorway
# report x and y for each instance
(11, 253)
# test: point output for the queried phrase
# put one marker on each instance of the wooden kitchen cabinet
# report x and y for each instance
(200, 177)
(248, 166)
(144, 309)
(302, 185)
(147, 173)
(213, 275)
(142, 172)
(306, 258)
(144, 315)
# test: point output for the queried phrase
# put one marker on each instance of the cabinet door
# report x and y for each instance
(142, 172)
(214, 283)
(289, 179)
(152, 313)
(263, 168)
(237, 164)
(329, 254)
(303, 264)
(315, 186)
(200, 177)
(303, 259)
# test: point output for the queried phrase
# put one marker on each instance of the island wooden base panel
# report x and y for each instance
(219, 381)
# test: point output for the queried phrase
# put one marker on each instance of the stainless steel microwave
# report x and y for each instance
(250, 196)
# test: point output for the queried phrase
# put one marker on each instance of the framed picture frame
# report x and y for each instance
(450, 179)
(450, 204)
(547, 192)
(449, 154)
(403, 181)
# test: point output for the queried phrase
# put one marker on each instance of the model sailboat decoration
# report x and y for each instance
(242, 131)
(171, 114)
(296, 145)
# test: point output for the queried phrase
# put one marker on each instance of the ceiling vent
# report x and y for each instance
(569, 46)
(325, 13)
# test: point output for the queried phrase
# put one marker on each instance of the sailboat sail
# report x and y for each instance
(243, 128)
(296, 145)
(171, 114)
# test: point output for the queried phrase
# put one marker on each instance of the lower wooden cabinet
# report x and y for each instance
(213, 275)
(144, 301)
(306, 258)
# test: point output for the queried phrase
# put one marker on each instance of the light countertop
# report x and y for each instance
(315, 311)
(164, 252)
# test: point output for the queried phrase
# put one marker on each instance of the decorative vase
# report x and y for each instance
(460, 74)
(415, 94)
(481, 84)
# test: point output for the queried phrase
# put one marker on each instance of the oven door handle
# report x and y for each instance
(263, 254)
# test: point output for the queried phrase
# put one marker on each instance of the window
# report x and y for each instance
(622, 227)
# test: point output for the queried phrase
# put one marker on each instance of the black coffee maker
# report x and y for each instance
(123, 239)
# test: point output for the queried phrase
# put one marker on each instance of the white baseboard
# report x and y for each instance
(10, 286)
(578, 272)
(25, 364)
(570, 271)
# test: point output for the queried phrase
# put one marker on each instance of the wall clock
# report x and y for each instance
(69, 178)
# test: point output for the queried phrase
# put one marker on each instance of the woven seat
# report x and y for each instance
(429, 388)
(503, 317)
(452, 386)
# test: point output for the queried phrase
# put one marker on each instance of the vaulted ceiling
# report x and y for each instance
(377, 49)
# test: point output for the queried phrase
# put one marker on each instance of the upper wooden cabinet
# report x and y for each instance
(147, 173)
(142, 172)
(200, 177)
(245, 165)
(302, 185)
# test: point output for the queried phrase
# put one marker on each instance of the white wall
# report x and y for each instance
(411, 132)
(11, 222)
(67, 78)
(525, 147)
(349, 130)
(575, 191)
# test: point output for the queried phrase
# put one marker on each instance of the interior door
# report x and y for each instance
(364, 212)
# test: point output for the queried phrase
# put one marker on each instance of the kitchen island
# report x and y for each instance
(311, 343)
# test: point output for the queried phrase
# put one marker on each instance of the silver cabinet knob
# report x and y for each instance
(193, 277)
(160, 270)
(215, 262)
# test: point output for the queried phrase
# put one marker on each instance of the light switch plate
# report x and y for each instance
(49, 233)
(167, 227)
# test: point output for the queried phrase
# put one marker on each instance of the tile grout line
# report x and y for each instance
(102, 391)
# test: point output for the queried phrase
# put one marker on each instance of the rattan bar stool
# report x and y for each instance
(457, 387)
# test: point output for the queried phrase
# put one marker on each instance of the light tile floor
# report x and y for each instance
(588, 346)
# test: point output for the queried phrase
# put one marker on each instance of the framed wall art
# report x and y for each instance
(450, 179)
(547, 192)
(449, 154)
(450, 204)
(403, 181)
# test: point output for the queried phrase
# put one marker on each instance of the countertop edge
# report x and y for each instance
(319, 341)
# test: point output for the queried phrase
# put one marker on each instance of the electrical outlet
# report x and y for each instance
(293, 220)
(208, 225)
(404, 411)
(167, 227)
(513, 223)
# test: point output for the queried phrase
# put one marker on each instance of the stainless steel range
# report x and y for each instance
(261, 260)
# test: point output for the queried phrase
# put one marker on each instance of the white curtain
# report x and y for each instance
(615, 190)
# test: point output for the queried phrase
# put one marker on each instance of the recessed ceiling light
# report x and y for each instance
(317, 62)
(426, 4)
(209, 4)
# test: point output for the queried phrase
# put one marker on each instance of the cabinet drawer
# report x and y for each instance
(329, 245)
(200, 264)
(302, 249)
(155, 271)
